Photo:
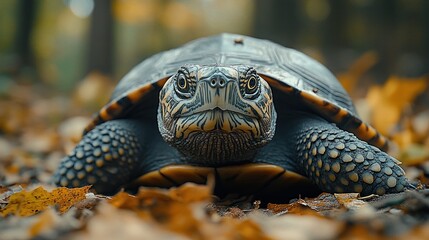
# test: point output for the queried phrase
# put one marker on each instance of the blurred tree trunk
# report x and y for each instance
(279, 20)
(26, 15)
(101, 38)
(336, 34)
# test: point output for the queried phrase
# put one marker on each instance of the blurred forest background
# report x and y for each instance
(60, 60)
(58, 43)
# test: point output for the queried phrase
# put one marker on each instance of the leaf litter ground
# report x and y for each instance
(38, 127)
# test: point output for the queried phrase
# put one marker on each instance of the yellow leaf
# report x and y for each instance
(173, 208)
(135, 11)
(388, 102)
(44, 221)
(350, 78)
(26, 203)
(191, 192)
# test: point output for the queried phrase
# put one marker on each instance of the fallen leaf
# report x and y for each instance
(49, 224)
(93, 91)
(324, 203)
(350, 200)
(419, 232)
(26, 203)
(190, 193)
(350, 78)
(113, 223)
(388, 101)
(243, 229)
(298, 227)
(44, 221)
(414, 154)
(70, 131)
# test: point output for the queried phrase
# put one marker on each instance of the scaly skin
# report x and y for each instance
(105, 158)
(336, 161)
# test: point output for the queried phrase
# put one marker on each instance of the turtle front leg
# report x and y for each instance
(106, 158)
(337, 161)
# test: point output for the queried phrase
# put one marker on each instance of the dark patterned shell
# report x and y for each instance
(283, 68)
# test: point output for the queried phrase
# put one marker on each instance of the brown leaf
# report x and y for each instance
(296, 207)
(45, 220)
(290, 226)
(350, 200)
(308, 206)
(350, 79)
(113, 223)
(388, 101)
(124, 200)
(70, 131)
(26, 203)
(171, 208)
(93, 91)
(190, 193)
(243, 229)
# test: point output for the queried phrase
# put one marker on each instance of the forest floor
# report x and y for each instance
(38, 127)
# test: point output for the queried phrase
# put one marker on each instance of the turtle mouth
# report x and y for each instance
(216, 120)
(216, 111)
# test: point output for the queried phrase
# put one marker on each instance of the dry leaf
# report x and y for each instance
(388, 101)
(298, 227)
(350, 79)
(242, 229)
(70, 131)
(26, 203)
(190, 193)
(325, 202)
(299, 207)
(414, 154)
(93, 91)
(350, 201)
(114, 223)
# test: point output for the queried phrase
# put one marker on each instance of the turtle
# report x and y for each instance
(255, 116)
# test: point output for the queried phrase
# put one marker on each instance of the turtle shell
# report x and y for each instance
(286, 69)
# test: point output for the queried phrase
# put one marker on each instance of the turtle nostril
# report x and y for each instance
(217, 82)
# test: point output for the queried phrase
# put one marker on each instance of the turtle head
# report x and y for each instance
(216, 115)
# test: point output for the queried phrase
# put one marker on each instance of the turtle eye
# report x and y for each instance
(182, 85)
(251, 87)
